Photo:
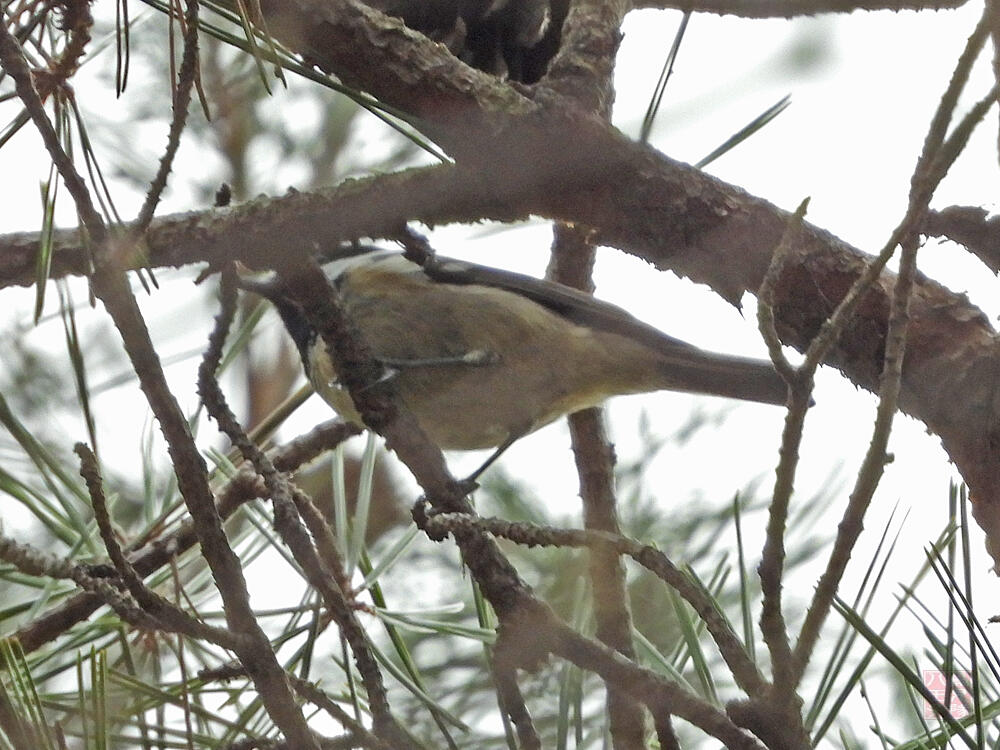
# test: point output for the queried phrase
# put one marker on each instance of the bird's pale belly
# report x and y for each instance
(470, 407)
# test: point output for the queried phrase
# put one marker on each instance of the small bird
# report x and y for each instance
(483, 356)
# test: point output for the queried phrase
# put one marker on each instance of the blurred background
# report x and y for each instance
(862, 89)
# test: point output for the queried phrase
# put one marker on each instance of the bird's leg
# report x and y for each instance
(509, 441)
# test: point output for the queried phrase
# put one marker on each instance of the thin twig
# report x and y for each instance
(512, 701)
(13, 62)
(35, 562)
(359, 734)
(531, 535)
(935, 159)
(571, 263)
(110, 285)
(154, 553)
(187, 74)
(288, 523)
(800, 383)
(160, 609)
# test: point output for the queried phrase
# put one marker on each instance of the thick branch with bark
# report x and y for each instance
(677, 218)
(567, 164)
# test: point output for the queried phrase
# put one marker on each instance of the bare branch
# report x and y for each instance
(793, 8)
(970, 226)
(156, 553)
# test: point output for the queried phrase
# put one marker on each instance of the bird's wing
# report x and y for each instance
(690, 368)
(572, 304)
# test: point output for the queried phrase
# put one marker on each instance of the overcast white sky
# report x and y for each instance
(850, 139)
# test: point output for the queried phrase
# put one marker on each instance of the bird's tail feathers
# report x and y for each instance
(725, 375)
